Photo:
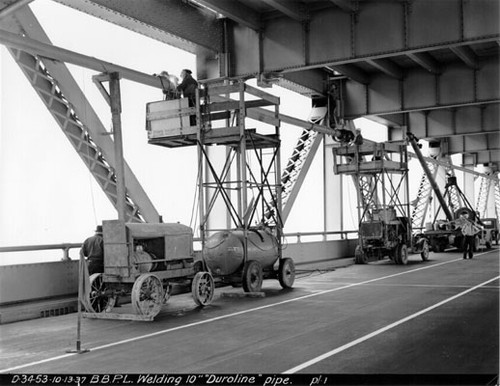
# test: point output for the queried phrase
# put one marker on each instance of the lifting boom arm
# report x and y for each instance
(413, 141)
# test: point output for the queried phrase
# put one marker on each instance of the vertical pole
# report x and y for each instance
(407, 193)
(243, 169)
(243, 153)
(79, 310)
(81, 279)
(341, 209)
(277, 183)
(201, 170)
(116, 109)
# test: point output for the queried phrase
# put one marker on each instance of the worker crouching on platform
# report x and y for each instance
(93, 250)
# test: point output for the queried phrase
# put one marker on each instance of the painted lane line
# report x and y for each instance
(234, 314)
(383, 329)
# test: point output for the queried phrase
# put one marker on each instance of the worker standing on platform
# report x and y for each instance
(93, 250)
(469, 230)
(188, 88)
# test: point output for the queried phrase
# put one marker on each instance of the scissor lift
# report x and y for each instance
(383, 205)
(248, 181)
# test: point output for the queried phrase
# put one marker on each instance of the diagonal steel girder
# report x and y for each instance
(68, 105)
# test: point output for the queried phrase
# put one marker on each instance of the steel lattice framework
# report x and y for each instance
(424, 195)
(77, 119)
(60, 108)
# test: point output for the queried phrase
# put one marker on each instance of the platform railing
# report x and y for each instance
(66, 247)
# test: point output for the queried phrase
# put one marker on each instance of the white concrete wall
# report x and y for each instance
(26, 282)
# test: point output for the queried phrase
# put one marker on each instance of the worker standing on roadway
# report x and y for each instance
(188, 88)
(469, 230)
(93, 250)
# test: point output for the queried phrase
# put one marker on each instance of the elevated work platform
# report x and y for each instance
(174, 123)
(370, 157)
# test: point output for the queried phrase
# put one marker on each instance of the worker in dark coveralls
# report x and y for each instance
(93, 250)
(188, 88)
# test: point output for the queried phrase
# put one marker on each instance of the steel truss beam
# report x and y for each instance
(235, 11)
(486, 148)
(456, 122)
(173, 22)
(375, 30)
(289, 8)
(346, 5)
(73, 113)
(13, 7)
(457, 86)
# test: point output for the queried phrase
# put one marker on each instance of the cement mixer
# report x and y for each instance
(224, 255)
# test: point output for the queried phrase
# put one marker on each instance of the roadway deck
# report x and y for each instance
(422, 321)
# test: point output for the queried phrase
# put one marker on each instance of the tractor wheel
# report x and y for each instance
(99, 298)
(147, 295)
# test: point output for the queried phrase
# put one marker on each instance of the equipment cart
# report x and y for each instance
(142, 261)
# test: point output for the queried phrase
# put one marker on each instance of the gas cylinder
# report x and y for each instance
(223, 251)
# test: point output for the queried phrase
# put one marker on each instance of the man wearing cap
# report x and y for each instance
(188, 85)
(93, 250)
(188, 88)
(469, 230)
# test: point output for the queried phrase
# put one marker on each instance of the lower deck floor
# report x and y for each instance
(420, 322)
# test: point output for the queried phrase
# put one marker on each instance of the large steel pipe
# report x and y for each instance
(36, 47)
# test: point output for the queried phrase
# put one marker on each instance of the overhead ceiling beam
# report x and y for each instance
(395, 121)
(476, 120)
(13, 7)
(235, 11)
(466, 55)
(289, 8)
(353, 72)
(336, 38)
(309, 82)
(425, 60)
(387, 67)
(474, 144)
(176, 23)
(458, 86)
(345, 5)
